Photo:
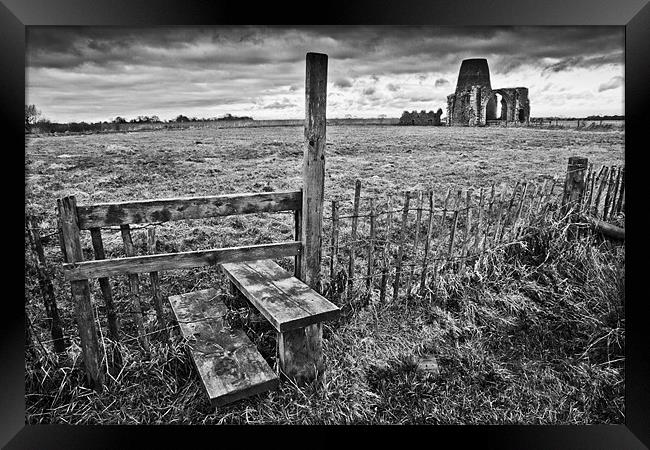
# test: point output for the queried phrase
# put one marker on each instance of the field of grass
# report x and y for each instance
(532, 334)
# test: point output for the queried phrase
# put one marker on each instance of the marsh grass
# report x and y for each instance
(531, 333)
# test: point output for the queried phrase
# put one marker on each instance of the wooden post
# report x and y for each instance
(574, 183)
(371, 245)
(155, 287)
(353, 234)
(105, 286)
(67, 209)
(300, 351)
(400, 249)
(47, 289)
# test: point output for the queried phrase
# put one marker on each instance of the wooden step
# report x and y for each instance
(228, 363)
(285, 301)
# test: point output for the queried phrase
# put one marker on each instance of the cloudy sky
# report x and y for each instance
(97, 73)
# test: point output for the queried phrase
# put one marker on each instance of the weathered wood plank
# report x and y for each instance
(182, 260)
(155, 287)
(286, 302)
(164, 210)
(47, 288)
(71, 244)
(619, 202)
(105, 286)
(313, 168)
(228, 363)
(134, 289)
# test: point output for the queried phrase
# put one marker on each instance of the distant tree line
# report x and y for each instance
(35, 122)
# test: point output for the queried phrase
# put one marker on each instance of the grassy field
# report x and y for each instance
(533, 334)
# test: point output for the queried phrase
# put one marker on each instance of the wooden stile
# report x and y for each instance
(371, 245)
(71, 243)
(155, 287)
(353, 234)
(134, 289)
(105, 287)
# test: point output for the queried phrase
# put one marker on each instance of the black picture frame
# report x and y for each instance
(634, 15)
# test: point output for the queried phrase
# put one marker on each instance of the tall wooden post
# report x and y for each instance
(574, 183)
(300, 351)
(80, 292)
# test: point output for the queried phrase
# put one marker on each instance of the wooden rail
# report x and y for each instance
(164, 210)
(183, 260)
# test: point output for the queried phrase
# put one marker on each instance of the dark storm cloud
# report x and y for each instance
(614, 83)
(225, 65)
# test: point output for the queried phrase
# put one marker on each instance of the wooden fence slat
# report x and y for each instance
(297, 237)
(71, 243)
(105, 287)
(400, 248)
(163, 210)
(371, 244)
(353, 234)
(619, 203)
(386, 256)
(134, 289)
(452, 234)
(602, 175)
(46, 286)
(155, 287)
(464, 252)
(608, 195)
(418, 219)
(479, 222)
(615, 192)
(427, 243)
(334, 246)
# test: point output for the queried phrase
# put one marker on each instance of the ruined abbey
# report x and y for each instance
(475, 103)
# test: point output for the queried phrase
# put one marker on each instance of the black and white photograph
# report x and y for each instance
(325, 225)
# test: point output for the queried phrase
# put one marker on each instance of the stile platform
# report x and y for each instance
(285, 301)
(228, 363)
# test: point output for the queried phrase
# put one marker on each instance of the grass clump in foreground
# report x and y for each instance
(532, 333)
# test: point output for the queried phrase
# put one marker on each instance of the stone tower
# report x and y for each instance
(473, 72)
(474, 103)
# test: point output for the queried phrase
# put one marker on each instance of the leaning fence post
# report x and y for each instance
(301, 351)
(47, 289)
(67, 209)
(574, 183)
